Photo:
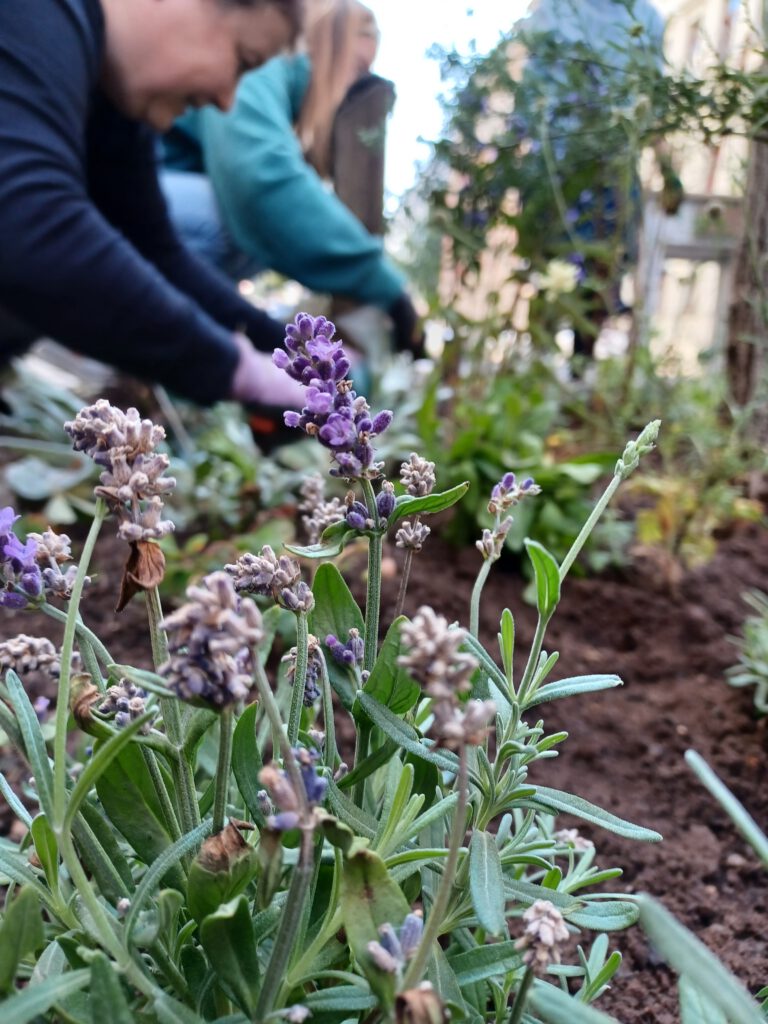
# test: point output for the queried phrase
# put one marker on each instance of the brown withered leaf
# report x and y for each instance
(83, 695)
(420, 1005)
(218, 852)
(144, 569)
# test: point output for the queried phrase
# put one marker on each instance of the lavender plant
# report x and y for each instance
(416, 876)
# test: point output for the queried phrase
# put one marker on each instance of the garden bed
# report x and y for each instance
(625, 750)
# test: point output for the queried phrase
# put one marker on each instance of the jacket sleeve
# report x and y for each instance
(276, 206)
(63, 267)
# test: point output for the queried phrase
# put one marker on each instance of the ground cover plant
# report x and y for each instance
(141, 894)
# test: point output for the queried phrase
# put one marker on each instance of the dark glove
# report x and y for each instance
(408, 333)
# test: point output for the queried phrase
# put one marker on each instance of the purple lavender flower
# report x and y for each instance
(21, 580)
(339, 418)
(350, 653)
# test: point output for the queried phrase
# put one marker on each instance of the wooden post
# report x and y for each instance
(359, 135)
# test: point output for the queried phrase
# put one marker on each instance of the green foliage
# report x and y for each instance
(752, 666)
(143, 896)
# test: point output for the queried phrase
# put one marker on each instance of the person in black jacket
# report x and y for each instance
(87, 253)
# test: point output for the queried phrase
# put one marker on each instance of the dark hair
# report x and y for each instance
(292, 11)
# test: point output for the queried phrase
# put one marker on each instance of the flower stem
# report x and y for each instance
(329, 747)
(223, 768)
(435, 919)
(272, 712)
(169, 814)
(589, 526)
(404, 578)
(521, 998)
(62, 700)
(183, 778)
(533, 660)
(289, 926)
(477, 590)
(299, 677)
(373, 591)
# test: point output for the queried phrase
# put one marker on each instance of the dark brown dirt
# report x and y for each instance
(625, 750)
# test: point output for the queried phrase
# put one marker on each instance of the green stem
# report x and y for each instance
(299, 677)
(91, 664)
(289, 926)
(477, 590)
(589, 526)
(223, 768)
(81, 631)
(329, 747)
(169, 814)
(62, 700)
(521, 997)
(99, 918)
(404, 577)
(272, 712)
(362, 743)
(533, 659)
(434, 921)
(373, 590)
(172, 974)
(183, 777)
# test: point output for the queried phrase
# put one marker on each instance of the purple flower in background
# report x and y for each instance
(334, 414)
(21, 580)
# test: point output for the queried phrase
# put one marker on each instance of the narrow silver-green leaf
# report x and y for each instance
(695, 1007)
(547, 576)
(690, 957)
(228, 939)
(428, 504)
(159, 867)
(491, 961)
(108, 1002)
(486, 882)
(246, 761)
(735, 810)
(405, 735)
(571, 687)
(610, 916)
(566, 803)
(21, 933)
(37, 999)
(555, 1007)
(33, 740)
(341, 998)
(13, 802)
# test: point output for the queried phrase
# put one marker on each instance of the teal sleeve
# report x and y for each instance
(276, 206)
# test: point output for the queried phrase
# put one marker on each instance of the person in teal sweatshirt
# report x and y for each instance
(249, 190)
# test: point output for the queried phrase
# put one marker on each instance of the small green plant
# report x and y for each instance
(752, 667)
(214, 859)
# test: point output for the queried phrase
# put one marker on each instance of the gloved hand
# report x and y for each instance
(258, 381)
(408, 331)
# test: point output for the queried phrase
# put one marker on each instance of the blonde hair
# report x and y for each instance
(331, 31)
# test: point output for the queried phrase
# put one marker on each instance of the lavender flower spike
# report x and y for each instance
(334, 414)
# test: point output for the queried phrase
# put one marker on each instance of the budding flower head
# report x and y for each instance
(133, 481)
(508, 492)
(417, 476)
(334, 413)
(211, 640)
(283, 794)
(396, 947)
(25, 654)
(350, 653)
(545, 931)
(313, 673)
(272, 576)
(411, 536)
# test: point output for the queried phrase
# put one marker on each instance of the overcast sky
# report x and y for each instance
(408, 29)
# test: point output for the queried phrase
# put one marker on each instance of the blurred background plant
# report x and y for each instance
(752, 666)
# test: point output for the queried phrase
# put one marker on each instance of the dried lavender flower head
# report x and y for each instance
(133, 481)
(211, 640)
(318, 512)
(417, 476)
(411, 536)
(545, 931)
(272, 576)
(334, 413)
(25, 654)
